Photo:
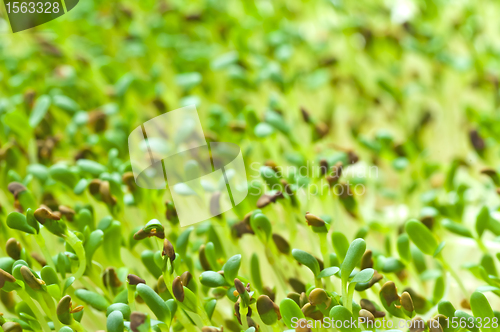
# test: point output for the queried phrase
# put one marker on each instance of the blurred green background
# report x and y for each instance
(410, 86)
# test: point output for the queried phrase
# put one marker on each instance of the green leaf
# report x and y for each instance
(261, 226)
(482, 221)
(63, 174)
(290, 310)
(255, 271)
(91, 167)
(421, 236)
(465, 317)
(340, 313)
(182, 242)
(65, 103)
(481, 309)
(154, 302)
(213, 279)
(39, 171)
(439, 288)
(362, 276)
(31, 220)
(263, 130)
(18, 123)
(392, 265)
(94, 241)
(210, 307)
(231, 268)
(95, 300)
(16, 220)
(211, 256)
(49, 275)
(340, 245)
(115, 322)
(403, 246)
(122, 307)
(147, 257)
(328, 272)
(306, 259)
(439, 249)
(446, 308)
(489, 265)
(456, 228)
(39, 110)
(353, 256)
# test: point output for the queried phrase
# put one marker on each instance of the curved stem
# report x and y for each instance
(77, 246)
(77, 326)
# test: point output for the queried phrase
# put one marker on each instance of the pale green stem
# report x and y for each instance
(41, 243)
(181, 316)
(243, 316)
(77, 246)
(326, 258)
(350, 294)
(77, 326)
(454, 275)
(131, 297)
(40, 318)
(50, 307)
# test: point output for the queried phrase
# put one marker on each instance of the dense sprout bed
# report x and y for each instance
(369, 132)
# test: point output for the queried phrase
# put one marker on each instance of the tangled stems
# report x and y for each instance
(40, 318)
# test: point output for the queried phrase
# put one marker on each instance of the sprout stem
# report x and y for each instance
(77, 246)
(39, 317)
(40, 241)
(454, 275)
(243, 316)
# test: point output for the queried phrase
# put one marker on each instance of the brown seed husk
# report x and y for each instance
(5, 276)
(135, 280)
(16, 188)
(13, 248)
(136, 320)
(12, 327)
(389, 292)
(282, 244)
(407, 302)
(94, 186)
(43, 213)
(111, 278)
(105, 191)
(240, 287)
(186, 278)
(178, 289)
(366, 314)
(64, 305)
(210, 329)
(67, 212)
(303, 326)
(366, 260)
(417, 325)
(434, 325)
(168, 250)
(203, 258)
(30, 279)
(313, 220)
(319, 296)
